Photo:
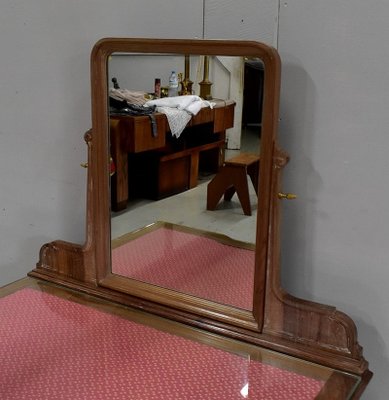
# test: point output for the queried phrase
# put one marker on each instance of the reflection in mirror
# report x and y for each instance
(180, 215)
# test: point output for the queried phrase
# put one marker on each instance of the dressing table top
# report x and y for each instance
(61, 343)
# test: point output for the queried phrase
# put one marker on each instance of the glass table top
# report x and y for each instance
(56, 343)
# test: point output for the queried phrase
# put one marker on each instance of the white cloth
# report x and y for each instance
(179, 110)
(177, 119)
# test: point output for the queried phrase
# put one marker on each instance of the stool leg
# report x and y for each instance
(253, 173)
(228, 180)
(242, 190)
(217, 187)
(229, 192)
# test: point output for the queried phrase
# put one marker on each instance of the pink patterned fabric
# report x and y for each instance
(191, 264)
(52, 348)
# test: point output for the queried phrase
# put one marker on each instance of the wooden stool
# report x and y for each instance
(231, 178)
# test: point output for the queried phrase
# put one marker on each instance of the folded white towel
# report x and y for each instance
(179, 110)
(190, 103)
(179, 102)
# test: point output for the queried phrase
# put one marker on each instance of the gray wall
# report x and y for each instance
(45, 110)
(333, 123)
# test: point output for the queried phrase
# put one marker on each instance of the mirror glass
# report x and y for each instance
(168, 166)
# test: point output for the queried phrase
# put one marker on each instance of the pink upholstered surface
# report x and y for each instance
(191, 264)
(53, 348)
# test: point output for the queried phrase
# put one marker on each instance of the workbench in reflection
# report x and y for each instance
(156, 165)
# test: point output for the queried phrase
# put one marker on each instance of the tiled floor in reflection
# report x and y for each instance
(189, 208)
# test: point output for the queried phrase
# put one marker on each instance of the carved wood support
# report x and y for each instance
(298, 321)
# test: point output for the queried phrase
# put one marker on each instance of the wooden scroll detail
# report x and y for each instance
(63, 258)
(307, 325)
(62, 261)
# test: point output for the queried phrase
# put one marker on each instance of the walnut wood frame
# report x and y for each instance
(278, 321)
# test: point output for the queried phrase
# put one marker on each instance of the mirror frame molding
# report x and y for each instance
(252, 320)
(279, 321)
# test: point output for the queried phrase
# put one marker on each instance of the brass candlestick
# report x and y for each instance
(186, 83)
(205, 84)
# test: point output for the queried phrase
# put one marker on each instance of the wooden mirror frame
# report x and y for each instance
(278, 321)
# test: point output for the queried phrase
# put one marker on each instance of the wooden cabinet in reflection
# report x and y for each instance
(157, 165)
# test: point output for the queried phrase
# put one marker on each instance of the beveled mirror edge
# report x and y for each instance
(285, 323)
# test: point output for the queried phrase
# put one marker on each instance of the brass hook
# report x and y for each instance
(287, 196)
